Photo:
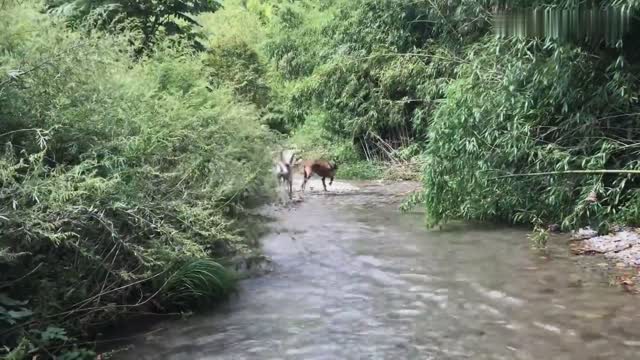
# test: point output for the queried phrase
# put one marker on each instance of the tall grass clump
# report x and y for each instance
(120, 179)
(196, 283)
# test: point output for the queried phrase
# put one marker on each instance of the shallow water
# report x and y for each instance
(355, 279)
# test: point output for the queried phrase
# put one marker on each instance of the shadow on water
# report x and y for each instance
(353, 278)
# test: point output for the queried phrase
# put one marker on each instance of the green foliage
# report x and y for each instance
(197, 282)
(121, 180)
(145, 19)
(237, 66)
(233, 58)
(311, 139)
(414, 199)
(35, 342)
(19, 352)
(576, 24)
(115, 174)
(387, 80)
(362, 170)
(233, 22)
(358, 69)
(12, 311)
(56, 338)
(521, 107)
(539, 237)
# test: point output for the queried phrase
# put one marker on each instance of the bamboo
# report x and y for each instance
(586, 172)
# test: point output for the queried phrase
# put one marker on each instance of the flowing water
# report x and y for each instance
(355, 279)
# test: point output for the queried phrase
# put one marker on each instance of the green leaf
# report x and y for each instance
(20, 314)
(52, 333)
(6, 300)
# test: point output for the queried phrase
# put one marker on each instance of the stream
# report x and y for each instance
(354, 278)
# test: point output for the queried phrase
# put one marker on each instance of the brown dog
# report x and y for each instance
(322, 168)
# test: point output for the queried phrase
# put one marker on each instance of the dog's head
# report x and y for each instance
(287, 158)
(282, 168)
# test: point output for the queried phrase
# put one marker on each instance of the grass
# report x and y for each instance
(362, 170)
(198, 282)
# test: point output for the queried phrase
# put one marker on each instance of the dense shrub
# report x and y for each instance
(237, 66)
(518, 108)
(116, 177)
(143, 21)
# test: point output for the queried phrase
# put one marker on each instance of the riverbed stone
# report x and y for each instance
(621, 247)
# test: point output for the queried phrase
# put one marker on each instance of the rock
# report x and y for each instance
(555, 228)
(629, 256)
(614, 242)
(252, 265)
(584, 233)
(622, 247)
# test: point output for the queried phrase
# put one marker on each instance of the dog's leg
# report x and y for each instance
(323, 184)
(290, 188)
(331, 181)
(306, 177)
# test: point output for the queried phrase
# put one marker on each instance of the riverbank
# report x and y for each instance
(126, 183)
(621, 248)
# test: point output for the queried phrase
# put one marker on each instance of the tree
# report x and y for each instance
(145, 17)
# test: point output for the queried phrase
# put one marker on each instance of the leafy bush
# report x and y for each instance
(362, 170)
(528, 107)
(142, 20)
(197, 282)
(238, 66)
(118, 179)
